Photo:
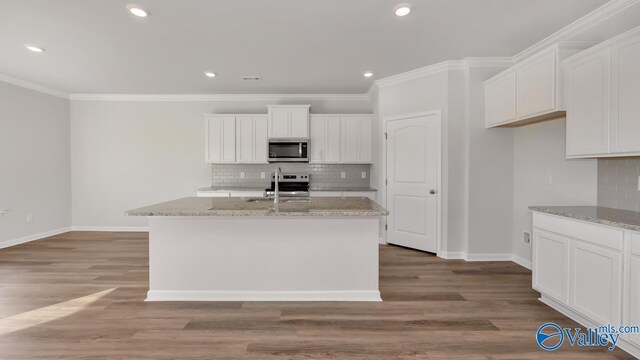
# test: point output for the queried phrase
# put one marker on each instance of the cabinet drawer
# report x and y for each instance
(600, 235)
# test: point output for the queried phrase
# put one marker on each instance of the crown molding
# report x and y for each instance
(598, 15)
(33, 86)
(219, 97)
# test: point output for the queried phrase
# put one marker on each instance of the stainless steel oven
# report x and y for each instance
(288, 150)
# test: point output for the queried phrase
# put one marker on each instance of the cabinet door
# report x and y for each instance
(587, 100)
(318, 139)
(625, 96)
(260, 140)
(299, 122)
(633, 300)
(278, 122)
(537, 86)
(551, 264)
(595, 276)
(244, 139)
(333, 140)
(500, 99)
(220, 139)
(350, 138)
(366, 139)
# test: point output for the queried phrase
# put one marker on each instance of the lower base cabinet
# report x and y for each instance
(632, 296)
(595, 279)
(591, 270)
(551, 259)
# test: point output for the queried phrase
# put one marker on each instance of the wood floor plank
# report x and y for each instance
(433, 309)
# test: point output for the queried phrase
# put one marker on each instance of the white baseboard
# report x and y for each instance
(452, 255)
(521, 261)
(178, 295)
(488, 257)
(29, 238)
(111, 228)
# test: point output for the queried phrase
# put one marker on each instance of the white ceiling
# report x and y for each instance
(296, 46)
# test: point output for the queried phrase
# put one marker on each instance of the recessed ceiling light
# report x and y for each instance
(138, 10)
(33, 48)
(210, 74)
(402, 9)
(368, 74)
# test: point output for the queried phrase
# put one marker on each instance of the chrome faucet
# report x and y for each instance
(276, 198)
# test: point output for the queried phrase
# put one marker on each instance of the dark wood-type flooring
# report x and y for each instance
(80, 295)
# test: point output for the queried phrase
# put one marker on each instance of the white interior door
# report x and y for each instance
(413, 171)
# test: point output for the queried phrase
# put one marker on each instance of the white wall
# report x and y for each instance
(539, 151)
(426, 93)
(128, 154)
(34, 163)
(490, 174)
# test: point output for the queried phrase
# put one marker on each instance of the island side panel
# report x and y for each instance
(263, 259)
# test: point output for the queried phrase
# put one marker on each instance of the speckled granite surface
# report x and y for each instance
(325, 206)
(312, 188)
(600, 215)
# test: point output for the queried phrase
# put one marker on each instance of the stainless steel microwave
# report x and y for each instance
(288, 150)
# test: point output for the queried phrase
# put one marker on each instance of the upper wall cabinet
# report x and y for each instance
(529, 91)
(220, 138)
(239, 139)
(501, 99)
(341, 139)
(288, 121)
(603, 99)
(251, 139)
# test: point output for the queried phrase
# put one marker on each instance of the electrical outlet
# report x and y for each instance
(242, 175)
(29, 218)
(526, 236)
(549, 179)
(364, 174)
(638, 183)
(262, 175)
(343, 175)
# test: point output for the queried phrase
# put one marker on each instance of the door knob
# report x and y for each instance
(432, 191)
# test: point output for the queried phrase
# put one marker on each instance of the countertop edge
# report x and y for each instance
(586, 218)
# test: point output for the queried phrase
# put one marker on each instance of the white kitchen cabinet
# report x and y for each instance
(288, 121)
(537, 85)
(324, 140)
(500, 99)
(531, 90)
(588, 88)
(251, 139)
(551, 261)
(632, 301)
(220, 138)
(603, 88)
(356, 139)
(595, 276)
(625, 96)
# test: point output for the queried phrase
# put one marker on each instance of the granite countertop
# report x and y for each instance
(312, 188)
(600, 215)
(325, 206)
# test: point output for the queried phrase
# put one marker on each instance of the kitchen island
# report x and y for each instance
(239, 249)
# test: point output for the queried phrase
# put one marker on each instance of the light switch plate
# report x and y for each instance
(262, 175)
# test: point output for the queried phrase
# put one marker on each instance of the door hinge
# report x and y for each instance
(386, 227)
(385, 136)
(386, 182)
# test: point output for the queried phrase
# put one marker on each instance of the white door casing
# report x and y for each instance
(413, 161)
